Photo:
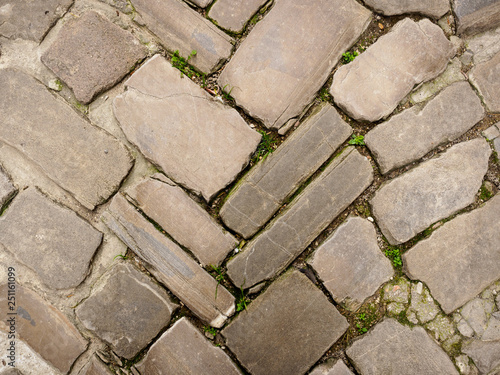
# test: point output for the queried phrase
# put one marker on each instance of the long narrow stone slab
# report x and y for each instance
(287, 329)
(277, 71)
(44, 328)
(431, 8)
(30, 20)
(486, 77)
(7, 190)
(476, 16)
(391, 348)
(197, 141)
(181, 28)
(370, 87)
(184, 350)
(51, 240)
(126, 309)
(42, 127)
(203, 295)
(232, 15)
(460, 258)
(443, 119)
(305, 218)
(432, 191)
(183, 219)
(266, 187)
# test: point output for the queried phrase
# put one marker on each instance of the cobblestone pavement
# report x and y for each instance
(255, 187)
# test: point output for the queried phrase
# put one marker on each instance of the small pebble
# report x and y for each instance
(370, 219)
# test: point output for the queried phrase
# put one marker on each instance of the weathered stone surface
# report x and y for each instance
(432, 191)
(7, 190)
(456, 260)
(45, 329)
(126, 309)
(11, 371)
(492, 132)
(183, 219)
(477, 313)
(184, 350)
(203, 295)
(265, 188)
(332, 368)
(95, 367)
(51, 240)
(442, 328)
(299, 322)
(492, 332)
(181, 28)
(277, 71)
(431, 8)
(397, 291)
(233, 15)
(306, 217)
(91, 54)
(30, 20)
(486, 78)
(91, 169)
(370, 87)
(485, 354)
(350, 263)
(198, 142)
(391, 348)
(483, 46)
(200, 3)
(446, 117)
(478, 15)
(422, 304)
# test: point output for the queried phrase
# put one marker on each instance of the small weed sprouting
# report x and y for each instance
(241, 303)
(358, 140)
(210, 330)
(349, 56)
(366, 319)
(227, 95)
(394, 255)
(485, 194)
(324, 95)
(182, 64)
(219, 276)
(265, 146)
(124, 257)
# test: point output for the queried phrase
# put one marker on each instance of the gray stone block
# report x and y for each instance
(411, 134)
(277, 71)
(7, 190)
(197, 141)
(485, 354)
(476, 16)
(432, 191)
(457, 260)
(95, 367)
(304, 219)
(492, 132)
(42, 127)
(262, 191)
(299, 325)
(91, 54)
(350, 263)
(486, 78)
(431, 8)
(184, 350)
(371, 87)
(126, 309)
(391, 348)
(332, 368)
(51, 240)
(233, 14)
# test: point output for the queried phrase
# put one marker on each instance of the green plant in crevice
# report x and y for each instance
(394, 254)
(265, 146)
(210, 330)
(182, 64)
(349, 56)
(124, 257)
(242, 301)
(219, 276)
(358, 140)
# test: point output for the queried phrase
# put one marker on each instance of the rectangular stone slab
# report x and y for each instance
(280, 66)
(485, 77)
(461, 258)
(262, 191)
(305, 218)
(446, 117)
(477, 15)
(170, 264)
(182, 218)
(82, 159)
(431, 8)
(233, 14)
(286, 329)
(181, 28)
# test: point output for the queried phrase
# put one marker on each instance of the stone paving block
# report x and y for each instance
(456, 260)
(233, 15)
(333, 368)
(432, 191)
(442, 327)
(262, 191)
(391, 348)
(183, 219)
(7, 190)
(51, 240)
(184, 350)
(172, 266)
(422, 304)
(475, 16)
(277, 71)
(197, 141)
(486, 78)
(306, 217)
(30, 20)
(181, 28)
(11, 371)
(370, 87)
(492, 132)
(95, 367)
(200, 3)
(446, 117)
(91, 54)
(44, 328)
(485, 354)
(126, 309)
(483, 46)
(299, 324)
(350, 263)
(91, 169)
(476, 313)
(431, 8)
